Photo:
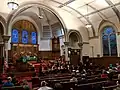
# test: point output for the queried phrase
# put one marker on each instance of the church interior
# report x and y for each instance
(59, 45)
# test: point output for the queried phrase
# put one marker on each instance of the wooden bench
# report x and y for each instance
(36, 81)
(13, 88)
(110, 87)
(89, 86)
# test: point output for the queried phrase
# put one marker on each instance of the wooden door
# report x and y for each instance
(74, 56)
(75, 59)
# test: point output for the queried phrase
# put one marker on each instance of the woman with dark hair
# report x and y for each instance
(58, 86)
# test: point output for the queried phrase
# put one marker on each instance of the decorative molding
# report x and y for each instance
(80, 44)
(66, 43)
(93, 37)
(28, 5)
(77, 34)
(6, 38)
(85, 42)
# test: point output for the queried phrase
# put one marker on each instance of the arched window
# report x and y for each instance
(24, 32)
(33, 37)
(109, 42)
(24, 37)
(15, 36)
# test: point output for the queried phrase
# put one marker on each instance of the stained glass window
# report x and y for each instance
(34, 37)
(109, 42)
(15, 36)
(24, 37)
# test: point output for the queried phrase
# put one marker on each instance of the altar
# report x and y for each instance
(24, 51)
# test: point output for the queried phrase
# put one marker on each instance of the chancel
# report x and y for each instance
(60, 44)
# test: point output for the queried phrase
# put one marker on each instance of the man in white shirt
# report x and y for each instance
(44, 87)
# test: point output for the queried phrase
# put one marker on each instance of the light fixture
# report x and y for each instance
(40, 15)
(88, 25)
(87, 17)
(12, 5)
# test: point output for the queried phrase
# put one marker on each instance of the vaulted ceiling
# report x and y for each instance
(96, 10)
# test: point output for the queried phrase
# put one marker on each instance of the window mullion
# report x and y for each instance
(109, 45)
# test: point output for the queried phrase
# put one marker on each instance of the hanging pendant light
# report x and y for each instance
(88, 25)
(87, 17)
(12, 4)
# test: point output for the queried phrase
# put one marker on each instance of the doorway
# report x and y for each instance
(74, 50)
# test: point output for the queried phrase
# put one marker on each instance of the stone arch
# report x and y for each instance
(27, 5)
(77, 34)
(105, 23)
(23, 18)
(3, 23)
(75, 46)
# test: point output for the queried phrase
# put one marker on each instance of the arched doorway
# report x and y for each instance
(75, 48)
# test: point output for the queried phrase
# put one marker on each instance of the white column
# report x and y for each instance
(66, 51)
(80, 47)
(6, 50)
(5, 40)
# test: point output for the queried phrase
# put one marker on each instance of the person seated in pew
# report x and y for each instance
(118, 86)
(25, 85)
(104, 74)
(84, 74)
(8, 83)
(14, 80)
(73, 79)
(58, 86)
(77, 73)
(109, 82)
(44, 86)
(97, 87)
(110, 73)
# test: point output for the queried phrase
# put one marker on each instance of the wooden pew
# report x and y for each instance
(13, 88)
(90, 79)
(110, 87)
(89, 86)
(36, 81)
(68, 85)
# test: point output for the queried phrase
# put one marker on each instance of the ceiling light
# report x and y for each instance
(41, 17)
(12, 5)
(87, 17)
(40, 13)
(88, 25)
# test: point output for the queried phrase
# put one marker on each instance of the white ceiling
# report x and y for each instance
(96, 10)
(77, 7)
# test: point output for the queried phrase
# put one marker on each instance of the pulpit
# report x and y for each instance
(74, 55)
